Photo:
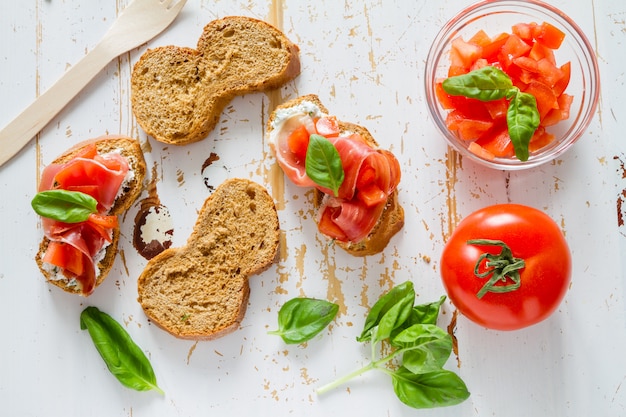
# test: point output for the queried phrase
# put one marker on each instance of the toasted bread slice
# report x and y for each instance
(178, 93)
(129, 148)
(392, 218)
(200, 291)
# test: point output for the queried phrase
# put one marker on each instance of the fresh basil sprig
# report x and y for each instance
(323, 163)
(490, 83)
(301, 319)
(64, 206)
(123, 357)
(420, 349)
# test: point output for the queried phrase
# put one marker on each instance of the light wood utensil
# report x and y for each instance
(139, 22)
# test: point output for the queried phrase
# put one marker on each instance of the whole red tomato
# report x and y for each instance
(511, 284)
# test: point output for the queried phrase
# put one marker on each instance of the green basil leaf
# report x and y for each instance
(425, 347)
(426, 313)
(64, 206)
(301, 319)
(323, 163)
(122, 356)
(485, 84)
(428, 390)
(522, 119)
(401, 297)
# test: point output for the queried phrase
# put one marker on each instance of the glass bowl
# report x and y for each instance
(495, 17)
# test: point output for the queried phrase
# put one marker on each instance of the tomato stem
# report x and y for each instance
(500, 268)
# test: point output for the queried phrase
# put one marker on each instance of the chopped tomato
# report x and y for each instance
(497, 141)
(515, 47)
(549, 35)
(546, 100)
(490, 51)
(463, 54)
(526, 54)
(525, 31)
(561, 85)
(540, 139)
(298, 142)
(472, 129)
(480, 38)
(478, 150)
(327, 126)
(64, 256)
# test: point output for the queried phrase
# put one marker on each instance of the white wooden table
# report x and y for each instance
(365, 59)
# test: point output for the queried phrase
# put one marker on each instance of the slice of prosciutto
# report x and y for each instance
(370, 175)
(73, 247)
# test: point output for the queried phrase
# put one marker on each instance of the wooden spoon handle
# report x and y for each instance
(27, 124)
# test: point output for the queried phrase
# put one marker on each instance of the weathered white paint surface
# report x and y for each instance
(365, 60)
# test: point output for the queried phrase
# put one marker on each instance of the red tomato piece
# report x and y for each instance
(64, 256)
(368, 190)
(561, 85)
(327, 126)
(298, 142)
(472, 129)
(480, 38)
(540, 51)
(549, 35)
(491, 50)
(497, 108)
(549, 73)
(562, 113)
(546, 100)
(525, 31)
(515, 47)
(497, 141)
(540, 139)
(464, 54)
(479, 151)
(544, 274)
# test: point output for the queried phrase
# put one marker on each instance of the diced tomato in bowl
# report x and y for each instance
(539, 49)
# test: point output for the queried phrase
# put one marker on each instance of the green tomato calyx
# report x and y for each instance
(502, 268)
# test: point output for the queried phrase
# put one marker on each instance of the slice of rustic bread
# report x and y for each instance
(178, 93)
(131, 149)
(200, 291)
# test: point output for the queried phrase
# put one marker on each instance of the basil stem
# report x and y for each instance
(420, 350)
(323, 163)
(301, 319)
(122, 356)
(490, 83)
(64, 206)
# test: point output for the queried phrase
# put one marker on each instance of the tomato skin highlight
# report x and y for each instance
(531, 235)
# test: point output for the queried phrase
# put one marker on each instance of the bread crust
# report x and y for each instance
(179, 93)
(392, 218)
(131, 149)
(200, 291)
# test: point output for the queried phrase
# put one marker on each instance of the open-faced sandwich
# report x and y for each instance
(81, 193)
(355, 181)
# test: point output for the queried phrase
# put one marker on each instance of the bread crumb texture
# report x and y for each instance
(200, 291)
(178, 93)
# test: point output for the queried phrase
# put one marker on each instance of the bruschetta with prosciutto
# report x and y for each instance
(80, 195)
(355, 181)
